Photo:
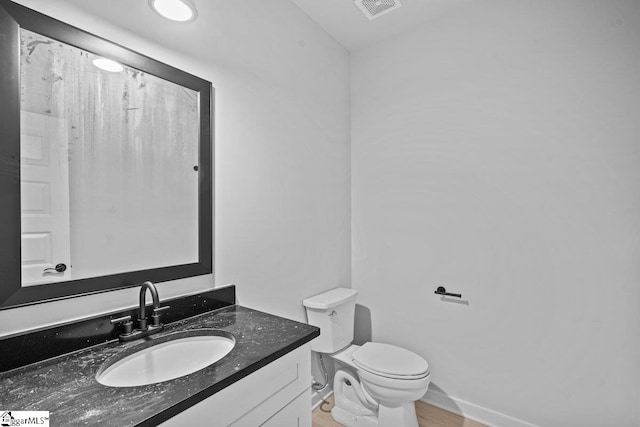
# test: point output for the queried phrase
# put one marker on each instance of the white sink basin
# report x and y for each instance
(166, 358)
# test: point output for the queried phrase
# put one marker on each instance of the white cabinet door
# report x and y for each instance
(259, 397)
(295, 414)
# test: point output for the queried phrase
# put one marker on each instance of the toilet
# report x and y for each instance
(376, 384)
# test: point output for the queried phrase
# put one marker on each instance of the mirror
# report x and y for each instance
(105, 164)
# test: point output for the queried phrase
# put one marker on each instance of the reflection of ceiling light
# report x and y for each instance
(175, 10)
(108, 65)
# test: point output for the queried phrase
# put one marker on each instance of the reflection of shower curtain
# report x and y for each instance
(129, 145)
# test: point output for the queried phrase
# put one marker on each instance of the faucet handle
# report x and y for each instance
(155, 315)
(127, 324)
(161, 309)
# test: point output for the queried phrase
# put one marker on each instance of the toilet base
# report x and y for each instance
(353, 407)
(348, 419)
(404, 415)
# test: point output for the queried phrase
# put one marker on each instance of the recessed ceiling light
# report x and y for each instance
(175, 10)
(108, 65)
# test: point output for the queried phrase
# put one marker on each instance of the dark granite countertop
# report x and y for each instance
(67, 386)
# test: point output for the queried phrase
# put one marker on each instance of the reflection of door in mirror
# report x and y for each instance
(44, 184)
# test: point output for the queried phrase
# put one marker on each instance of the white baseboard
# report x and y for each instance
(318, 396)
(472, 411)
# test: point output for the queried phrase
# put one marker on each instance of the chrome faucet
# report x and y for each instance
(144, 329)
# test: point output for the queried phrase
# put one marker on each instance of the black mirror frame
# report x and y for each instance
(12, 294)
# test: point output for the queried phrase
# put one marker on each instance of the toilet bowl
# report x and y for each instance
(376, 384)
(392, 377)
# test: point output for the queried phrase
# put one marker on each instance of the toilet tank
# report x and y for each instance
(334, 313)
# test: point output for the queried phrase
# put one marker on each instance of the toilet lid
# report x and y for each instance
(389, 360)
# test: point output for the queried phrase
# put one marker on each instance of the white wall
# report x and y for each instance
(496, 151)
(282, 214)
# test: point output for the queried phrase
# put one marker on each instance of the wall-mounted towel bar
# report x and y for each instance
(442, 291)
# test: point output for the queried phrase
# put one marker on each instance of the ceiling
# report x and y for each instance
(344, 21)
(340, 18)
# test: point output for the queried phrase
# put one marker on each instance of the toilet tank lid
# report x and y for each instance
(330, 299)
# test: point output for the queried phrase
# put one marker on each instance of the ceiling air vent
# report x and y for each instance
(373, 9)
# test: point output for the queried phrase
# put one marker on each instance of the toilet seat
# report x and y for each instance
(389, 361)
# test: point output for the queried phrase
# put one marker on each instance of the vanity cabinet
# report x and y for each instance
(277, 395)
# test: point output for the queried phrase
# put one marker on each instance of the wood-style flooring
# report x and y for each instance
(428, 416)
